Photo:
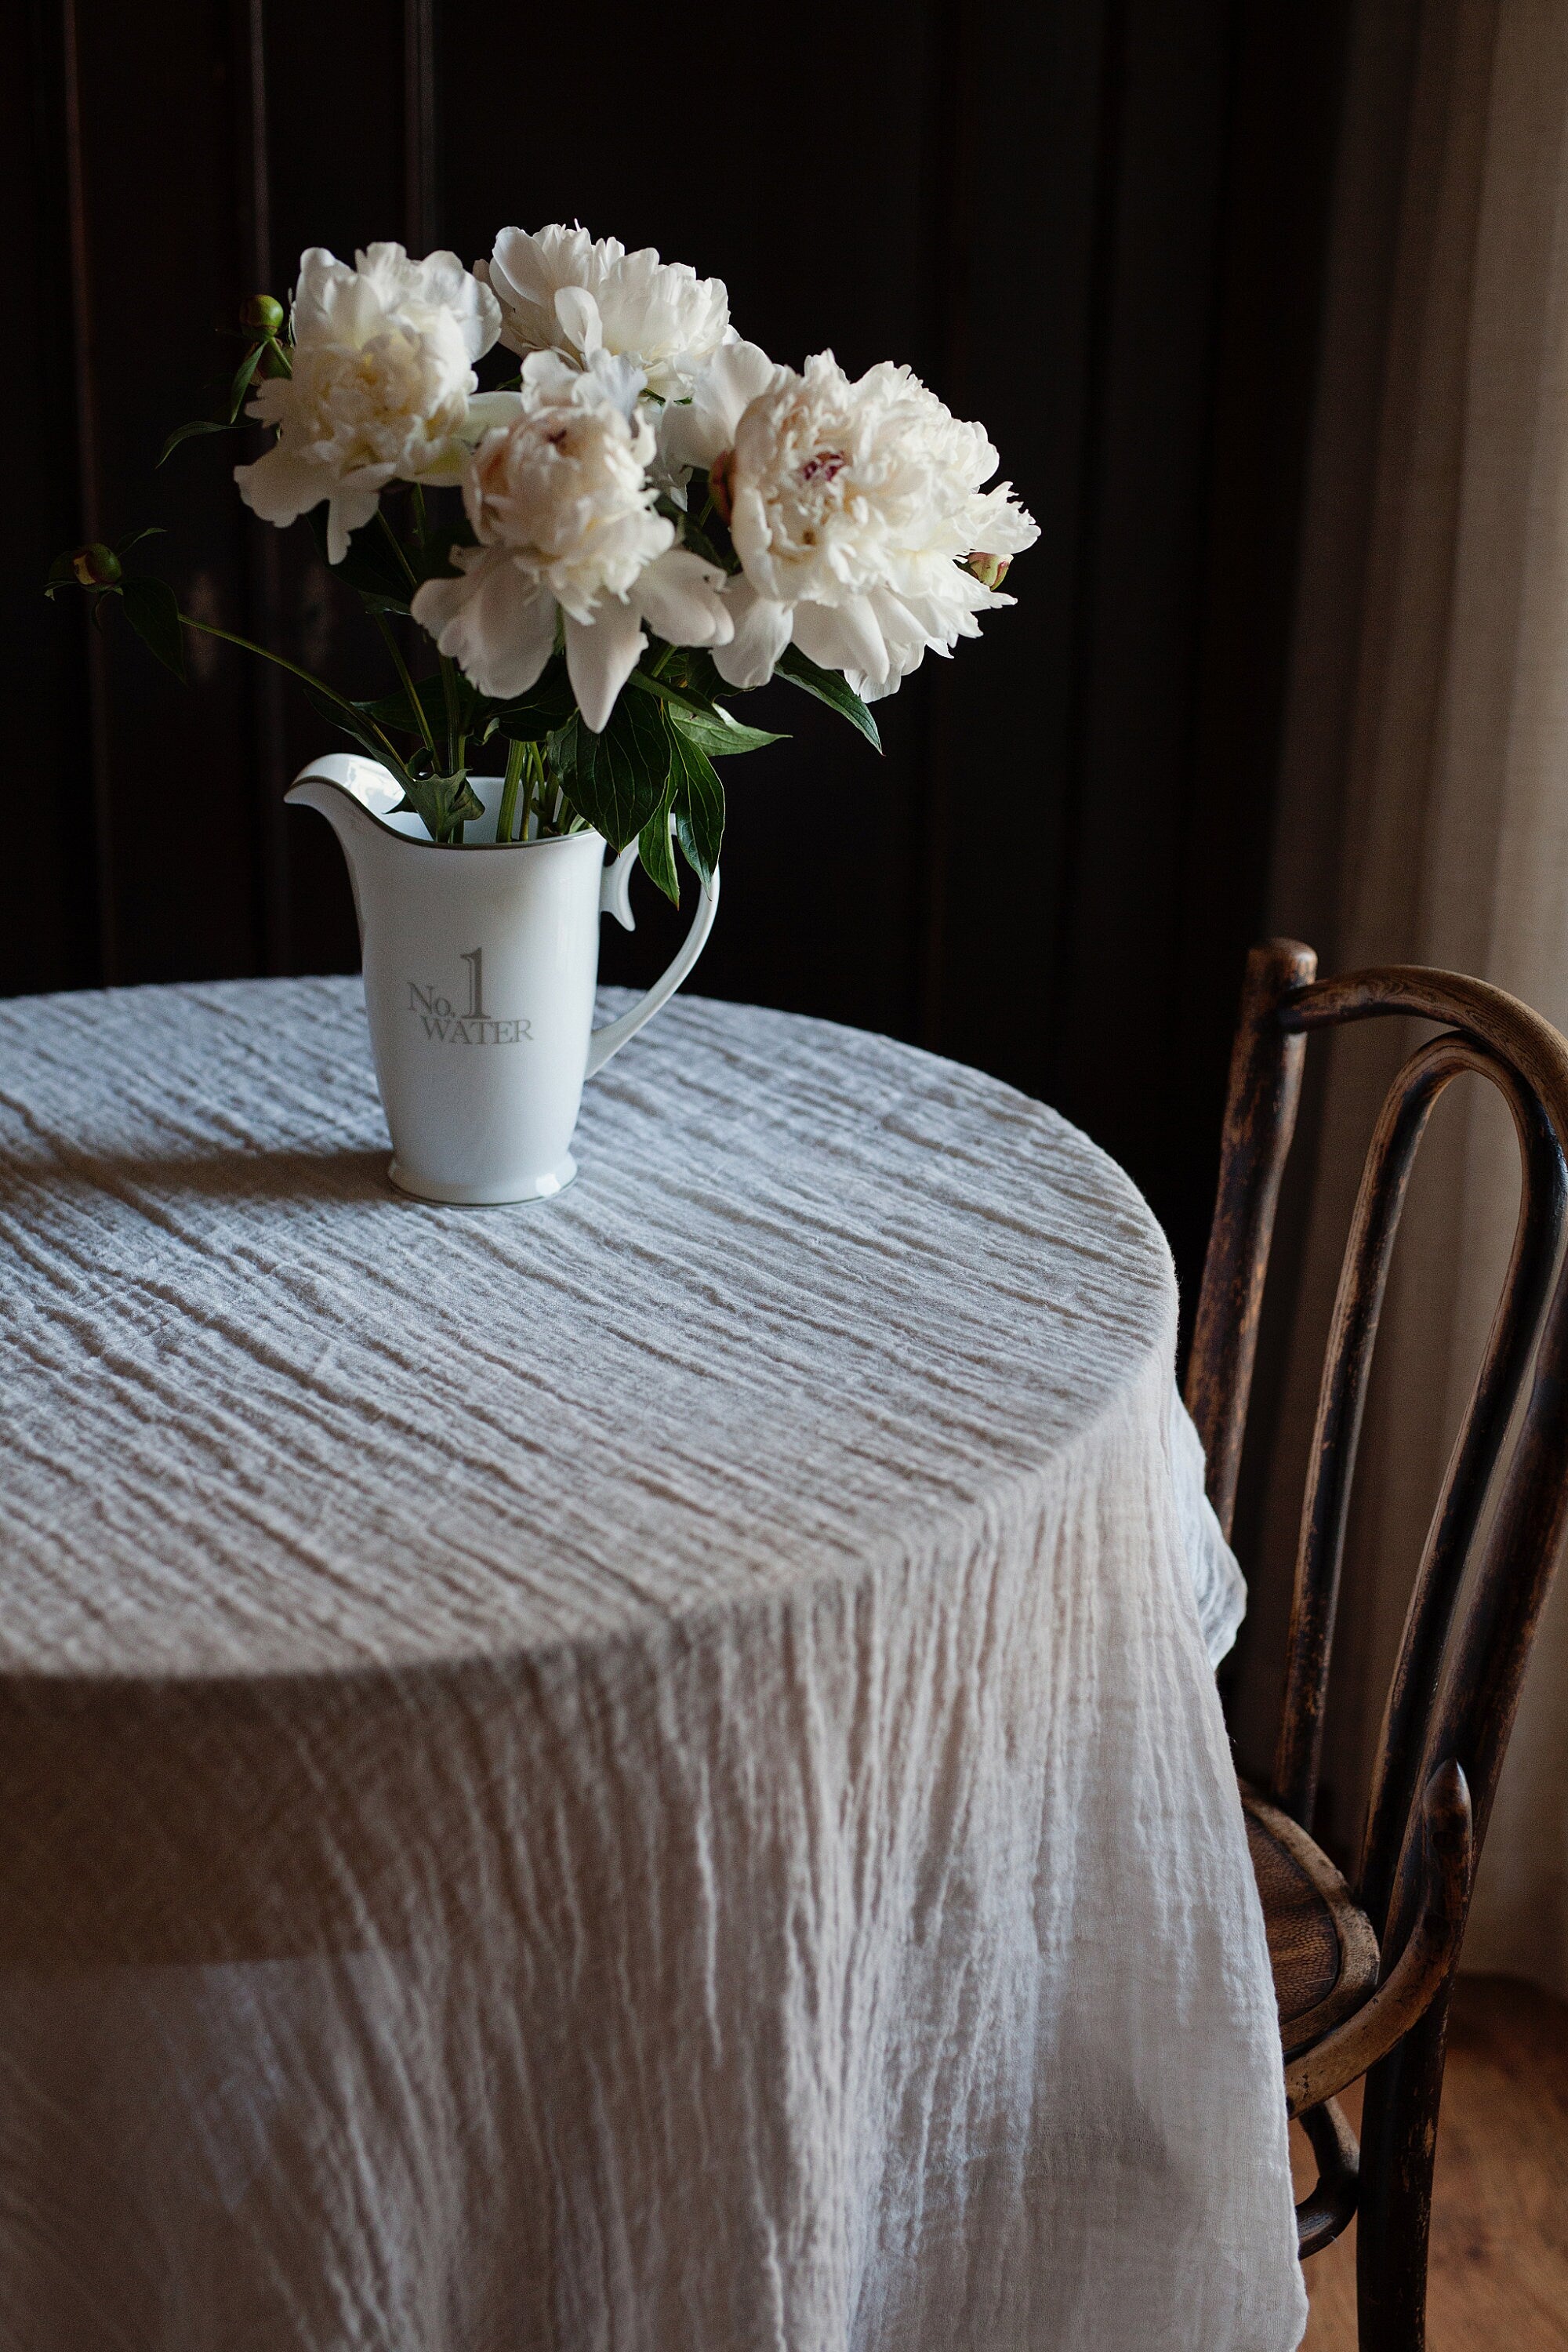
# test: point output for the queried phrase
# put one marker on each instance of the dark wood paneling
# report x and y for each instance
(1097, 224)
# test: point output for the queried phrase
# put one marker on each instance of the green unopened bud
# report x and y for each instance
(262, 315)
(96, 566)
(989, 570)
(718, 483)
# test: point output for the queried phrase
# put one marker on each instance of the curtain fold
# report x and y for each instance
(1424, 818)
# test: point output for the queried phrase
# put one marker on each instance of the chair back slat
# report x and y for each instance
(1342, 1399)
(1346, 1366)
(1466, 1636)
(1259, 1121)
(1524, 1310)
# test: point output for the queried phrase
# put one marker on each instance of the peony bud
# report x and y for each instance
(96, 566)
(989, 570)
(718, 485)
(263, 314)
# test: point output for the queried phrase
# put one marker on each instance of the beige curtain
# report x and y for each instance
(1425, 809)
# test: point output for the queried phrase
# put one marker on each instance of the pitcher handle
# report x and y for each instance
(614, 899)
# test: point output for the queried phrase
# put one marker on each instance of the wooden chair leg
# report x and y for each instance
(1398, 2142)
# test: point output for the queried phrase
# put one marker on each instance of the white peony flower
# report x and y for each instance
(856, 509)
(564, 513)
(381, 389)
(562, 290)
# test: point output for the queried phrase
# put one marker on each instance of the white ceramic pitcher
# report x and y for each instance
(480, 963)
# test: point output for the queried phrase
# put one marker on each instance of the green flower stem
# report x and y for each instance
(458, 770)
(395, 650)
(396, 546)
(515, 755)
(537, 788)
(449, 695)
(248, 646)
(421, 521)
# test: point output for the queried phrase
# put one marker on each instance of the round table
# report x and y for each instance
(640, 1773)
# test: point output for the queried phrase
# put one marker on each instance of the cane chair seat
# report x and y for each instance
(1321, 1948)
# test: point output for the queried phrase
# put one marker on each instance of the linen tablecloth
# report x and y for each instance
(640, 1773)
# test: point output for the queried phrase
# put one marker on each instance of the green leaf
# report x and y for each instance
(655, 854)
(356, 728)
(441, 802)
(715, 732)
(616, 780)
(697, 800)
(368, 566)
(134, 537)
(241, 383)
(62, 574)
(666, 690)
(696, 671)
(188, 432)
(153, 610)
(829, 688)
(538, 713)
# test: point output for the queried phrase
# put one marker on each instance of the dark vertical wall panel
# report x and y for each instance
(48, 901)
(339, 176)
(161, 258)
(1025, 354)
(1108, 1059)
(1097, 224)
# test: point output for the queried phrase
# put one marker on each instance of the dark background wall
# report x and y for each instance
(1098, 225)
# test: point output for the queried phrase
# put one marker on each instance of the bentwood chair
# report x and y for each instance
(1362, 1971)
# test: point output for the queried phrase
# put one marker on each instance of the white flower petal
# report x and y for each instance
(563, 486)
(578, 315)
(658, 315)
(486, 410)
(601, 654)
(282, 486)
(525, 272)
(324, 287)
(694, 432)
(494, 621)
(679, 596)
(843, 636)
(762, 633)
(438, 603)
(998, 525)
(382, 376)
(858, 506)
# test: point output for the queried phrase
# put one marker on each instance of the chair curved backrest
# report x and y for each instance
(1483, 1577)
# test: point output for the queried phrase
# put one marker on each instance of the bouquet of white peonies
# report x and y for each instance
(652, 511)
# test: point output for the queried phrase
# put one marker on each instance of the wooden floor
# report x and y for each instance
(1499, 2208)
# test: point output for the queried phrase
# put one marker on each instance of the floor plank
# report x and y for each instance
(1500, 2205)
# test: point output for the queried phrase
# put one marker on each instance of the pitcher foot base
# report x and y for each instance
(486, 1196)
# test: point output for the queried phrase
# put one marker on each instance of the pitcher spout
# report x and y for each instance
(352, 793)
(349, 790)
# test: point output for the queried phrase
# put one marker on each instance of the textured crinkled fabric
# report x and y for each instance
(638, 1774)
